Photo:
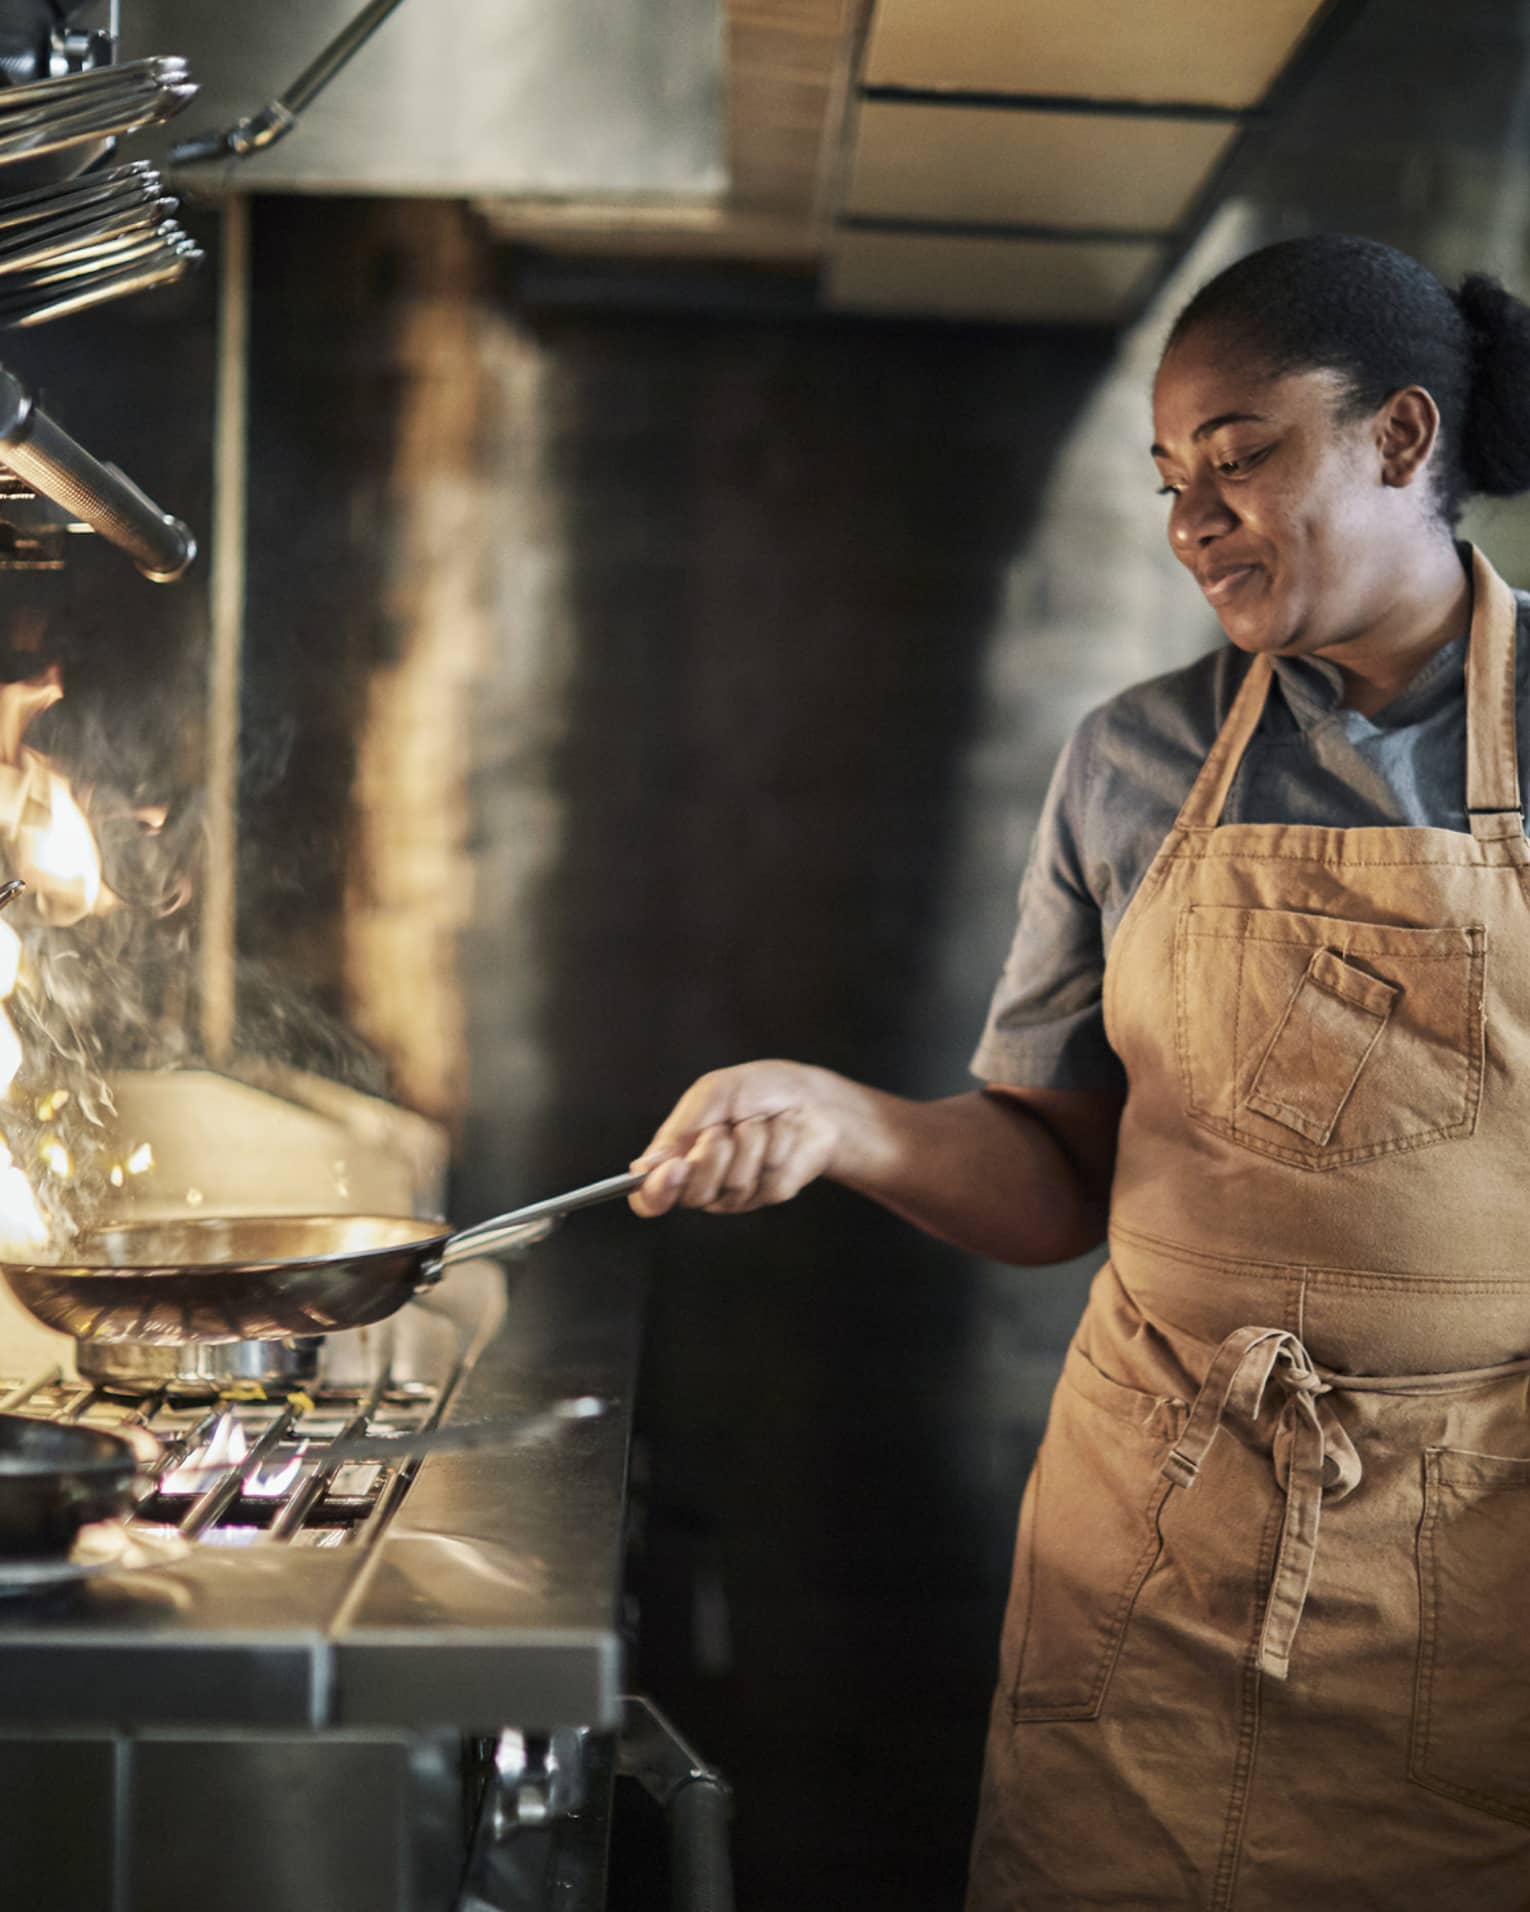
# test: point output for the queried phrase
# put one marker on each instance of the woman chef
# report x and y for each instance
(1265, 1024)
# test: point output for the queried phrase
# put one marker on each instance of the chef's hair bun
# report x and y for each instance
(1337, 302)
(1495, 433)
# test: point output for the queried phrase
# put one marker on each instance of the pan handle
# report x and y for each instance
(523, 1227)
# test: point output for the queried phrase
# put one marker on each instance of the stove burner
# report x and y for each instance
(239, 1471)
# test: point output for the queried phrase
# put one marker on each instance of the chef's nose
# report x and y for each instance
(1200, 513)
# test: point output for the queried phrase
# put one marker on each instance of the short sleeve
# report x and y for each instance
(1046, 1025)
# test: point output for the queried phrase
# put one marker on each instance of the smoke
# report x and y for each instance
(109, 963)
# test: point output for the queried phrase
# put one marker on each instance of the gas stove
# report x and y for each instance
(346, 1686)
(233, 1471)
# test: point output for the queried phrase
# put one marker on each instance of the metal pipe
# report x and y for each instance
(701, 1865)
(216, 955)
(309, 1490)
(697, 1802)
(23, 1393)
(57, 467)
(276, 119)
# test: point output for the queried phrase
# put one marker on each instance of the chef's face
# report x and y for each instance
(1280, 504)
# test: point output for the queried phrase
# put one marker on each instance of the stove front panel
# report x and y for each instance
(234, 1822)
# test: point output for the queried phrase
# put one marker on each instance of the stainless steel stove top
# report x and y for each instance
(467, 1589)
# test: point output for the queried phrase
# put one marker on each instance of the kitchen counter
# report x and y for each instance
(492, 1595)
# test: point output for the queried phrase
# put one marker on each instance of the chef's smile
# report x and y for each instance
(1222, 586)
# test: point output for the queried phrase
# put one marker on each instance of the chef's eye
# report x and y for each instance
(1239, 466)
(1168, 491)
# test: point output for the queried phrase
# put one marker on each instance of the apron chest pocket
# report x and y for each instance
(1089, 1538)
(1323, 1042)
(1472, 1697)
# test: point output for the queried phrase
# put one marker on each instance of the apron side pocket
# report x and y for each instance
(1090, 1538)
(1472, 1688)
(1331, 1024)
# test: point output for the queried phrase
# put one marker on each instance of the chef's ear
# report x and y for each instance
(1407, 431)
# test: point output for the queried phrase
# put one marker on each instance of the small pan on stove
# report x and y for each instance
(56, 1479)
(263, 1278)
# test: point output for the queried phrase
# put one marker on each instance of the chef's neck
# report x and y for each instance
(1430, 604)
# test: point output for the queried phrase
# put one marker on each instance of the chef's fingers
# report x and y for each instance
(796, 1154)
(710, 1159)
(660, 1192)
(705, 1104)
(755, 1164)
(723, 1096)
(741, 1183)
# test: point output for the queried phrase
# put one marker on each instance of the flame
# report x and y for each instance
(10, 1053)
(53, 1155)
(138, 1163)
(46, 838)
(268, 1483)
(227, 1448)
(55, 851)
(51, 842)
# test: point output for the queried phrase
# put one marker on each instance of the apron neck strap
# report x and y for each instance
(1492, 747)
(1202, 809)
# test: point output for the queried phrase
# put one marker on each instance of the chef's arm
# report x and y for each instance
(1017, 1175)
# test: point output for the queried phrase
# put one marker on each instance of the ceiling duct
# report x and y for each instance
(556, 99)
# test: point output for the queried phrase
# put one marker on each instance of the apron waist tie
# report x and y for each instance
(1313, 1456)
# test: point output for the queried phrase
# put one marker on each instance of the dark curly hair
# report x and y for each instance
(1381, 320)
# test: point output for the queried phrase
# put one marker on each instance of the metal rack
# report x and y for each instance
(233, 1471)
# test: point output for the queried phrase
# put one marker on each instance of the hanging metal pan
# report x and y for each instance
(263, 1278)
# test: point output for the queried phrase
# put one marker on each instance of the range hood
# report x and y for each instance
(481, 99)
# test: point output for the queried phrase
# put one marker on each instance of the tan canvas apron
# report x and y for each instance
(1268, 1642)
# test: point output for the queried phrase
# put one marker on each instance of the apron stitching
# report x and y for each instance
(1463, 1125)
(1348, 859)
(1142, 1567)
(1418, 1741)
(1252, 1682)
(1375, 1279)
(1151, 883)
(1181, 1014)
(1237, 1032)
(1303, 942)
(1030, 1594)
(1421, 1735)
(1147, 1558)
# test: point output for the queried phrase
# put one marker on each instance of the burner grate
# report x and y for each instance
(235, 1472)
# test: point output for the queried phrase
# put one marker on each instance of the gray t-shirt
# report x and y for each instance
(1118, 788)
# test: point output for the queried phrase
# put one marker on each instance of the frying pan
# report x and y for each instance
(264, 1277)
(55, 1479)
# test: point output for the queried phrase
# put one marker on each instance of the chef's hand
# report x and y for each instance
(743, 1138)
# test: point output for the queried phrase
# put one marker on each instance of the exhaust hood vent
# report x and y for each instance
(530, 98)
